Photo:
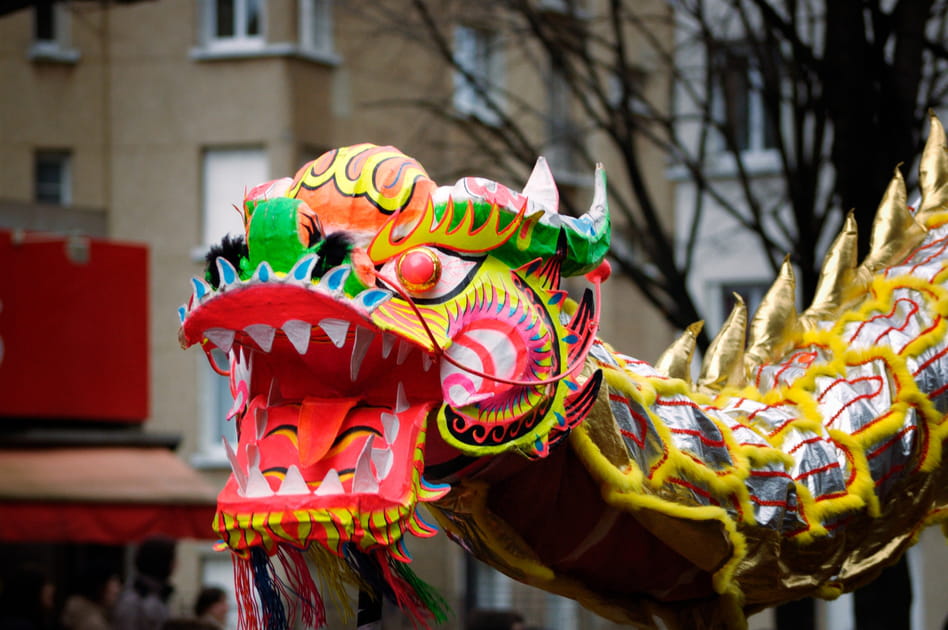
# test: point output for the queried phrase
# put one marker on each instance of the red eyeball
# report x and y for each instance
(418, 269)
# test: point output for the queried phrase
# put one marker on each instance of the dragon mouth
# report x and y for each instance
(330, 439)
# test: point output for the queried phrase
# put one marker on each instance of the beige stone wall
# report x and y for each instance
(137, 110)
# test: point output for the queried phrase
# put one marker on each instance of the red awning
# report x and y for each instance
(109, 495)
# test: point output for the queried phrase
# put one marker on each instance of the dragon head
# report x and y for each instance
(379, 326)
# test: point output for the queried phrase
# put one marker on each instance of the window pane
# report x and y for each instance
(253, 17)
(221, 402)
(752, 292)
(224, 14)
(736, 99)
(316, 25)
(45, 30)
(51, 177)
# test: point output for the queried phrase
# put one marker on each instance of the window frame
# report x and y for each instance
(315, 34)
(240, 41)
(760, 134)
(63, 159)
(211, 47)
(57, 48)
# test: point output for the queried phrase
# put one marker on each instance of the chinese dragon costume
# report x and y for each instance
(393, 342)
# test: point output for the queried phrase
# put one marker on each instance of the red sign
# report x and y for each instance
(73, 328)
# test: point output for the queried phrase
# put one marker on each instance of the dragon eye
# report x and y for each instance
(418, 269)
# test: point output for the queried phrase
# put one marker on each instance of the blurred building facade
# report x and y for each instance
(733, 260)
(146, 121)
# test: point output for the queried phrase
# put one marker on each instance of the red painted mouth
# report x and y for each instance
(330, 439)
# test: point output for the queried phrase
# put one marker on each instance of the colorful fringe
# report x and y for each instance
(271, 597)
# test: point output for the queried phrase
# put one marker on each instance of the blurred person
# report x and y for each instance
(26, 599)
(211, 606)
(485, 619)
(89, 607)
(143, 604)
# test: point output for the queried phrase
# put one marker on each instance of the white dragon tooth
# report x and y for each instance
(235, 408)
(388, 340)
(241, 367)
(260, 422)
(274, 397)
(336, 329)
(383, 458)
(253, 455)
(257, 484)
(364, 481)
(390, 426)
(239, 473)
(425, 361)
(298, 332)
(293, 482)
(363, 339)
(262, 334)
(331, 485)
(404, 349)
(401, 400)
(223, 338)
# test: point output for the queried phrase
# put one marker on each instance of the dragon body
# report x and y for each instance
(393, 342)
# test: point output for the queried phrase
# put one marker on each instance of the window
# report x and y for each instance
(316, 26)
(487, 587)
(227, 174)
(45, 22)
(51, 177)
(753, 293)
(476, 85)
(738, 99)
(561, 613)
(234, 24)
(51, 27)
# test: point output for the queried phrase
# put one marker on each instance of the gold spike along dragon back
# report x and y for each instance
(393, 342)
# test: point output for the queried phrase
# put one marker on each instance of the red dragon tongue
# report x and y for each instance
(319, 422)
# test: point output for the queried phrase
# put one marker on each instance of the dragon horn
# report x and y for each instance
(724, 362)
(895, 231)
(587, 236)
(541, 187)
(774, 321)
(933, 173)
(836, 277)
(675, 362)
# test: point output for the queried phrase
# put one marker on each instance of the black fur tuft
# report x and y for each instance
(232, 248)
(333, 252)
